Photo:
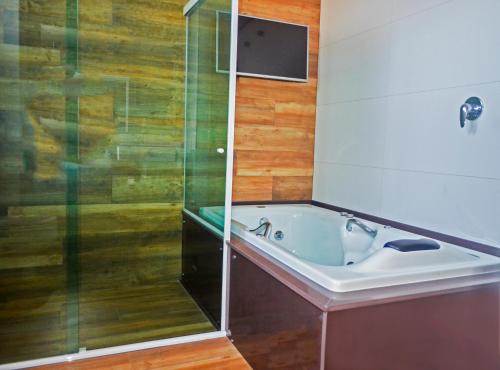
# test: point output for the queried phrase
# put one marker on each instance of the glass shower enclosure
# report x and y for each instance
(206, 132)
(106, 135)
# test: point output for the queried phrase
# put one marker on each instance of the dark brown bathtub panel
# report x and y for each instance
(202, 267)
(271, 326)
(457, 331)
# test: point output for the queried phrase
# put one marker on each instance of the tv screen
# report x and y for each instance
(271, 49)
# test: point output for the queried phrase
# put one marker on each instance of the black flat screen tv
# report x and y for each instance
(272, 49)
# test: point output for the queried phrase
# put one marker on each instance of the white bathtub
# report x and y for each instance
(317, 245)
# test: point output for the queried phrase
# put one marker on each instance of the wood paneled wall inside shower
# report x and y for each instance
(275, 120)
(129, 85)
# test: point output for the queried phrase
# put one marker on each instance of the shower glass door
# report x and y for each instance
(206, 133)
(207, 95)
(92, 125)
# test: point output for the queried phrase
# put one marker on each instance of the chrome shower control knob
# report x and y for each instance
(471, 110)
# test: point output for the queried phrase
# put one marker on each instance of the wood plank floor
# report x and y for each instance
(217, 354)
(131, 315)
(31, 328)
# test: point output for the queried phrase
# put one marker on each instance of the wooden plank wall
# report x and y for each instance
(275, 120)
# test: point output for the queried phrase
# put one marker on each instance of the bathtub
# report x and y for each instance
(314, 242)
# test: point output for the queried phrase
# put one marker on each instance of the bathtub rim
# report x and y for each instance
(329, 301)
(446, 238)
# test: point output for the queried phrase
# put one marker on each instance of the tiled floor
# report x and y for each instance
(217, 354)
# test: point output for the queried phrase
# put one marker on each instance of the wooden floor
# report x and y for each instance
(31, 328)
(217, 354)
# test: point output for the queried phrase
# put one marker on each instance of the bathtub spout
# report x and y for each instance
(362, 225)
(264, 229)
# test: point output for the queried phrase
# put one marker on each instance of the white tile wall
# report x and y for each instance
(353, 187)
(339, 126)
(355, 68)
(344, 18)
(450, 45)
(392, 76)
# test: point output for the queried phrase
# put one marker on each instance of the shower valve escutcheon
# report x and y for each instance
(471, 110)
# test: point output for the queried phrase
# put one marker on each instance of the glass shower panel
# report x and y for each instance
(131, 180)
(35, 62)
(92, 103)
(207, 94)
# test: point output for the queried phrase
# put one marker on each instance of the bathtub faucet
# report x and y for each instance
(362, 225)
(264, 229)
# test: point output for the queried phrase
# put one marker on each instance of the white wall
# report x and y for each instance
(392, 77)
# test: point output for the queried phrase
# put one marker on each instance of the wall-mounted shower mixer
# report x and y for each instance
(471, 110)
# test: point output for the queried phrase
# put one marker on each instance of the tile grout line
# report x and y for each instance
(390, 22)
(409, 171)
(409, 93)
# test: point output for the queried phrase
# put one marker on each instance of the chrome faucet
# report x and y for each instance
(362, 225)
(266, 226)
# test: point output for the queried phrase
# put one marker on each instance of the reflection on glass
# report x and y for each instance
(92, 168)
